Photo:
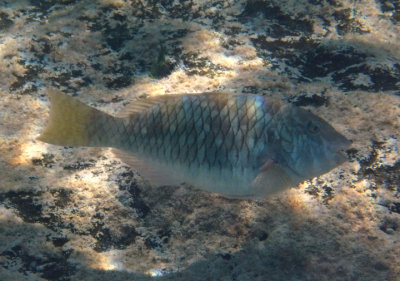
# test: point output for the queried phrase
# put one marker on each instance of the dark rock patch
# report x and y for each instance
(26, 203)
(281, 48)
(126, 56)
(316, 2)
(47, 160)
(382, 175)
(54, 266)
(31, 74)
(93, 23)
(225, 256)
(181, 9)
(381, 266)
(64, 78)
(281, 24)
(325, 193)
(313, 190)
(127, 237)
(29, 208)
(5, 21)
(260, 234)
(392, 6)
(198, 65)
(232, 30)
(389, 225)
(41, 47)
(59, 241)
(142, 209)
(80, 165)
(123, 75)
(62, 197)
(322, 61)
(163, 66)
(119, 17)
(116, 36)
(366, 162)
(334, 3)
(250, 90)
(387, 176)
(131, 194)
(124, 179)
(381, 79)
(328, 194)
(115, 99)
(289, 260)
(395, 207)
(307, 100)
(159, 240)
(45, 5)
(152, 242)
(346, 23)
(102, 235)
(231, 43)
(117, 238)
(351, 154)
(118, 82)
(184, 10)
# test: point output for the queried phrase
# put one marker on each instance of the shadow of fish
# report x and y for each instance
(241, 146)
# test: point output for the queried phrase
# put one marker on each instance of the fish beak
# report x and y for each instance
(341, 144)
(347, 142)
(340, 148)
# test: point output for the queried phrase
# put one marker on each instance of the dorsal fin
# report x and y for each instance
(141, 105)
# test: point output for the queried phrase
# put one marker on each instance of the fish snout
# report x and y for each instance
(341, 148)
(341, 144)
(347, 142)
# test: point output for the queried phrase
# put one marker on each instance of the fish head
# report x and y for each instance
(309, 145)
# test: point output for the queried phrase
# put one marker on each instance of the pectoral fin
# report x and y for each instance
(271, 179)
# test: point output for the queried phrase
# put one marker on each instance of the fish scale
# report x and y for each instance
(182, 116)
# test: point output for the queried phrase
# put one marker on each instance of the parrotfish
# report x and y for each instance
(241, 146)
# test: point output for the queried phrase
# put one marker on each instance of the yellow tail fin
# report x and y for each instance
(71, 122)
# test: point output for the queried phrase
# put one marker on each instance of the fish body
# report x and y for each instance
(238, 145)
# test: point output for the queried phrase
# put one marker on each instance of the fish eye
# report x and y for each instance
(312, 128)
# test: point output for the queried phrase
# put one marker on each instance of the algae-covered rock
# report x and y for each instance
(82, 214)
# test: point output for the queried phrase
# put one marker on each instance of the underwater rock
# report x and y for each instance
(81, 214)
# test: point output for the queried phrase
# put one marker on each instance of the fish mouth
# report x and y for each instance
(341, 150)
(347, 143)
(340, 144)
(341, 156)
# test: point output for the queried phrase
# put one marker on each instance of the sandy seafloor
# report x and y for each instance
(81, 214)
